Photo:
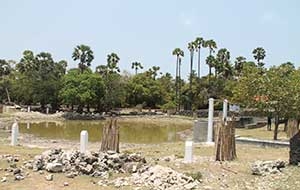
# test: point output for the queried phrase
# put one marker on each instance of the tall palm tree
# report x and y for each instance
(211, 45)
(259, 54)
(239, 64)
(211, 62)
(27, 62)
(5, 70)
(136, 66)
(178, 53)
(112, 62)
(223, 62)
(198, 44)
(191, 47)
(85, 55)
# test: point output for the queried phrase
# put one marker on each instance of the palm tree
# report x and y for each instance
(191, 47)
(239, 64)
(112, 62)
(223, 62)
(259, 54)
(178, 53)
(211, 61)
(211, 45)
(136, 66)
(27, 62)
(5, 70)
(199, 42)
(85, 56)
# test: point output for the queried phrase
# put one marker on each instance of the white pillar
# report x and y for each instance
(28, 109)
(83, 141)
(14, 134)
(47, 110)
(188, 155)
(225, 107)
(210, 119)
(28, 125)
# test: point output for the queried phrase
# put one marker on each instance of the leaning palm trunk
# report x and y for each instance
(110, 136)
(225, 141)
(8, 97)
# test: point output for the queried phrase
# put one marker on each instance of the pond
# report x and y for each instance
(131, 131)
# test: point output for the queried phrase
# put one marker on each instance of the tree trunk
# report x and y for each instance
(191, 80)
(225, 141)
(285, 125)
(292, 128)
(8, 97)
(110, 136)
(276, 127)
(179, 84)
(199, 69)
(176, 83)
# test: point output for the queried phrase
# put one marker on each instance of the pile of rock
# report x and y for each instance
(263, 168)
(95, 164)
(82, 116)
(155, 177)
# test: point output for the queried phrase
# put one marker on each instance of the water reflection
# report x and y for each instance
(130, 132)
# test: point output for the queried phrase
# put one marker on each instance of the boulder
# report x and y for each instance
(54, 167)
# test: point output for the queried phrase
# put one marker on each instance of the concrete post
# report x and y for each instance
(83, 141)
(14, 134)
(188, 155)
(225, 108)
(210, 119)
(28, 125)
(28, 109)
(47, 110)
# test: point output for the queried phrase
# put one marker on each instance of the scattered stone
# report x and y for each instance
(263, 168)
(49, 177)
(3, 179)
(71, 175)
(66, 184)
(17, 171)
(54, 167)
(19, 177)
(41, 172)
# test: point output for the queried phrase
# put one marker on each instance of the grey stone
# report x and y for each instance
(3, 179)
(19, 177)
(49, 177)
(54, 167)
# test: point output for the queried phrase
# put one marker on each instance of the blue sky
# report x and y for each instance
(148, 31)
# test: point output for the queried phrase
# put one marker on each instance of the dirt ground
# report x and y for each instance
(215, 175)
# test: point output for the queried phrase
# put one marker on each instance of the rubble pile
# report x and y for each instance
(263, 168)
(95, 164)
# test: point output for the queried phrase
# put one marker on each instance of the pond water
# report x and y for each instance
(130, 131)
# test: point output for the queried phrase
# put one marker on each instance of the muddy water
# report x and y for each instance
(130, 131)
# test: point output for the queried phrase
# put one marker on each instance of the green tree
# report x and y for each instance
(223, 65)
(191, 47)
(211, 45)
(84, 55)
(179, 54)
(5, 71)
(136, 66)
(238, 65)
(259, 54)
(199, 42)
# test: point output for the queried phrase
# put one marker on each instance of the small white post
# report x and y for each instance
(83, 141)
(188, 155)
(210, 119)
(14, 134)
(28, 125)
(225, 107)
(47, 110)
(28, 109)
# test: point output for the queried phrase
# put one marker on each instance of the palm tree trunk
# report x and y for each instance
(199, 74)
(8, 97)
(191, 79)
(176, 81)
(179, 84)
(136, 71)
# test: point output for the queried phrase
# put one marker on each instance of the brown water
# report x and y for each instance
(130, 131)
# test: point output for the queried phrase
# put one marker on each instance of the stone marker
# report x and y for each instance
(28, 125)
(83, 141)
(200, 131)
(14, 134)
(28, 109)
(210, 120)
(188, 155)
(47, 110)
(225, 108)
